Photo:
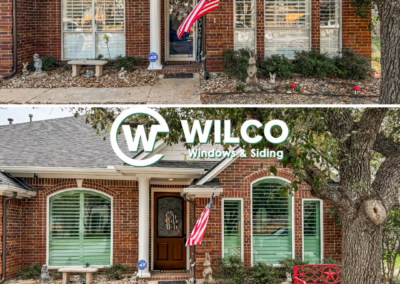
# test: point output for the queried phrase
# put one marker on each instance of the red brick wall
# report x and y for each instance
(355, 34)
(14, 226)
(236, 181)
(6, 58)
(315, 25)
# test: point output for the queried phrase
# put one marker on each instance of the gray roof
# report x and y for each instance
(6, 179)
(210, 184)
(67, 142)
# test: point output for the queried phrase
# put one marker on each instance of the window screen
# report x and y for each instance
(79, 229)
(312, 231)
(232, 227)
(272, 222)
(86, 22)
(330, 26)
(287, 26)
(245, 24)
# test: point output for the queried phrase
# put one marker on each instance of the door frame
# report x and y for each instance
(167, 190)
(166, 35)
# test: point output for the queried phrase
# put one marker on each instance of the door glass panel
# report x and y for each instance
(170, 217)
(178, 11)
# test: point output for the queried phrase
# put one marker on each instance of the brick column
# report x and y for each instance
(315, 25)
(260, 29)
(6, 56)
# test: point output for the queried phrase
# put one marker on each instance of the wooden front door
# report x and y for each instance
(169, 231)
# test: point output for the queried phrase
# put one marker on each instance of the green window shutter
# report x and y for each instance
(232, 228)
(312, 231)
(79, 229)
(272, 222)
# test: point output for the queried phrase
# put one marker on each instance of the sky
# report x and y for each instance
(21, 114)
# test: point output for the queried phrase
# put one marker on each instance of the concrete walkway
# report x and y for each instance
(165, 91)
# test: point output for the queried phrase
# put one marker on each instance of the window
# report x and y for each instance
(330, 26)
(83, 37)
(79, 229)
(245, 24)
(232, 222)
(272, 222)
(312, 231)
(287, 27)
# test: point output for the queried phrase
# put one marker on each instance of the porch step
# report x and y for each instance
(158, 276)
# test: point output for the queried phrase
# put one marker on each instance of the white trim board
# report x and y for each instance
(167, 190)
(251, 217)
(321, 208)
(48, 225)
(241, 224)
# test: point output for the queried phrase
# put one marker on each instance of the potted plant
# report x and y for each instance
(105, 39)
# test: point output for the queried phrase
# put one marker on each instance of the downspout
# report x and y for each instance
(4, 238)
(15, 45)
(206, 76)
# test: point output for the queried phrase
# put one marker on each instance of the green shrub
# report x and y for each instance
(128, 62)
(264, 273)
(231, 270)
(32, 272)
(277, 64)
(115, 271)
(288, 263)
(357, 66)
(330, 260)
(312, 63)
(376, 42)
(49, 63)
(236, 63)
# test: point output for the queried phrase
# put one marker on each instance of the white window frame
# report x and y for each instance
(93, 32)
(241, 224)
(48, 226)
(321, 208)
(287, 28)
(244, 29)
(251, 218)
(340, 29)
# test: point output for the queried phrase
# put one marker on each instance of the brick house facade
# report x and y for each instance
(26, 241)
(39, 31)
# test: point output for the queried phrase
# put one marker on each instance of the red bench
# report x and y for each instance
(317, 273)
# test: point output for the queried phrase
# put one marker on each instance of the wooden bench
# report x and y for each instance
(76, 66)
(67, 270)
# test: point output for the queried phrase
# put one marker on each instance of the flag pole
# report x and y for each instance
(203, 49)
(194, 247)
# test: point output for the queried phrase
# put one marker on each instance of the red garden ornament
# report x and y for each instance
(317, 273)
(356, 89)
(293, 86)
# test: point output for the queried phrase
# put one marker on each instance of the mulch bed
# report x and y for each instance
(221, 89)
(63, 79)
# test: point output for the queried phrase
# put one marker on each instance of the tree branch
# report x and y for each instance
(385, 146)
(339, 124)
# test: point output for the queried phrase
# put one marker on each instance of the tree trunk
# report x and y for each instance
(389, 14)
(361, 253)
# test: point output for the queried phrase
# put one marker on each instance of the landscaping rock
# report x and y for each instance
(36, 76)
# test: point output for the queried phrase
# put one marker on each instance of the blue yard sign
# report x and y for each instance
(142, 264)
(153, 57)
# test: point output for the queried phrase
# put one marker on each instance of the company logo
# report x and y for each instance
(140, 136)
(203, 134)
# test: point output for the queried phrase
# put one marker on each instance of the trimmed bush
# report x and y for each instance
(128, 62)
(288, 264)
(231, 270)
(54, 274)
(312, 63)
(330, 260)
(236, 62)
(115, 271)
(264, 273)
(352, 65)
(32, 272)
(277, 64)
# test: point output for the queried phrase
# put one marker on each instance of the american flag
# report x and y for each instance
(202, 8)
(197, 234)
